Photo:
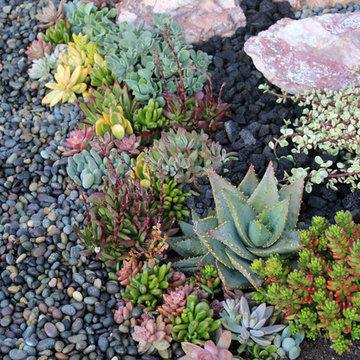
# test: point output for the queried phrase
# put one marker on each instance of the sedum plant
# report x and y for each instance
(153, 336)
(50, 15)
(196, 323)
(208, 279)
(249, 328)
(68, 84)
(60, 33)
(184, 155)
(329, 125)
(148, 286)
(129, 268)
(252, 220)
(130, 53)
(321, 296)
(210, 350)
(100, 73)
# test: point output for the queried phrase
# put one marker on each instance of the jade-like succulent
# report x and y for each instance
(253, 220)
(68, 84)
(78, 140)
(196, 323)
(60, 33)
(147, 287)
(38, 49)
(153, 336)
(263, 353)
(50, 15)
(88, 168)
(113, 122)
(175, 301)
(107, 97)
(150, 117)
(249, 328)
(209, 351)
(184, 155)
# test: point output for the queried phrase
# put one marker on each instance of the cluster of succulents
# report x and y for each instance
(88, 19)
(124, 213)
(130, 53)
(107, 97)
(184, 155)
(42, 69)
(253, 220)
(322, 295)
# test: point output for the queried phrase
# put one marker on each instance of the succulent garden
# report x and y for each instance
(143, 222)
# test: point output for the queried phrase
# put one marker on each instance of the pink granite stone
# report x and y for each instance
(318, 52)
(200, 20)
(302, 4)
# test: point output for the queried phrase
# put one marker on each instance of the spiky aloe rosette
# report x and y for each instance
(322, 295)
(253, 220)
(123, 215)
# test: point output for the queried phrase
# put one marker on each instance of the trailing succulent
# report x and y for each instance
(322, 295)
(147, 287)
(103, 99)
(130, 53)
(196, 323)
(184, 155)
(121, 219)
(329, 125)
(210, 350)
(253, 220)
(88, 168)
(249, 328)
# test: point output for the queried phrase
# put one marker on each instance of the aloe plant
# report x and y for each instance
(253, 220)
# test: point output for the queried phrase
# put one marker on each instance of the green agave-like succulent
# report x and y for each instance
(252, 220)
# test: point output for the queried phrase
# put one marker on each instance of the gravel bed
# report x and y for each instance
(54, 302)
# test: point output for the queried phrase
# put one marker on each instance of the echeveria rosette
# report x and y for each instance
(253, 220)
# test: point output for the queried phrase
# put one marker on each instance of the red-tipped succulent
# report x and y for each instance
(38, 49)
(78, 140)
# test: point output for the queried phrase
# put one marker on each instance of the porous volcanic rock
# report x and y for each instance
(314, 53)
(303, 4)
(200, 19)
